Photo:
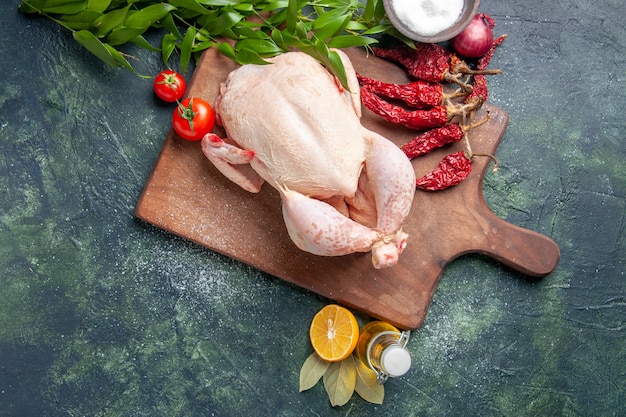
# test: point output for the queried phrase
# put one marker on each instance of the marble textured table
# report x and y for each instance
(103, 314)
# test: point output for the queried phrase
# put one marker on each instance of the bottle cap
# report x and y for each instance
(395, 360)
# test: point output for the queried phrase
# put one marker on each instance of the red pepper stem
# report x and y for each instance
(466, 127)
(457, 78)
(455, 94)
(468, 147)
(462, 68)
(496, 163)
(462, 110)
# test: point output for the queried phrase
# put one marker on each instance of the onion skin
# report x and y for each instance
(476, 39)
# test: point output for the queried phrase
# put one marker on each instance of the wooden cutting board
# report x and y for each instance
(187, 196)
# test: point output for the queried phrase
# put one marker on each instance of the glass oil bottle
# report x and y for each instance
(382, 347)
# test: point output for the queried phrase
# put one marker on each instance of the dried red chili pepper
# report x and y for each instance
(430, 62)
(433, 139)
(416, 119)
(418, 94)
(420, 119)
(483, 61)
(489, 20)
(452, 169)
(480, 92)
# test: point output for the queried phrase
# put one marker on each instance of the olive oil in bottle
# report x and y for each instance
(382, 347)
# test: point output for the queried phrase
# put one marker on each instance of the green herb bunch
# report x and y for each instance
(246, 31)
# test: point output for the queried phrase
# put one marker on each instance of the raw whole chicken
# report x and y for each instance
(344, 188)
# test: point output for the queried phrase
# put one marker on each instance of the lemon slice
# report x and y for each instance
(334, 333)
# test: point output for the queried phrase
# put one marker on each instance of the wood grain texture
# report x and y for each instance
(187, 196)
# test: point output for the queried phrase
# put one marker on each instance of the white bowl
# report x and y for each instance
(430, 21)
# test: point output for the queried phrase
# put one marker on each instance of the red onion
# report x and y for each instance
(476, 39)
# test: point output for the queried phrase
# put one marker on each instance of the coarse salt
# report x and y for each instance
(428, 17)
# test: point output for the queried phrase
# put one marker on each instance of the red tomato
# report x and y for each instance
(169, 86)
(193, 118)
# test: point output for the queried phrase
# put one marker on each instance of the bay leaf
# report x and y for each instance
(340, 380)
(312, 370)
(367, 385)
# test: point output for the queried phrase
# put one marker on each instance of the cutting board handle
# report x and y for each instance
(524, 250)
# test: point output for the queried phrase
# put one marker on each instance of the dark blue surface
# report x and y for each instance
(103, 315)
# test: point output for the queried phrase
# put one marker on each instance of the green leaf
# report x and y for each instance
(186, 16)
(356, 26)
(311, 26)
(119, 58)
(331, 22)
(202, 46)
(249, 56)
(122, 35)
(191, 5)
(292, 15)
(367, 385)
(302, 30)
(286, 40)
(32, 6)
(330, 59)
(223, 22)
(95, 46)
(81, 20)
(379, 11)
(274, 6)
(337, 68)
(186, 48)
(168, 46)
(368, 13)
(333, 27)
(142, 42)
(348, 41)
(378, 29)
(146, 17)
(328, 18)
(219, 3)
(109, 21)
(98, 5)
(312, 370)
(277, 37)
(168, 23)
(277, 18)
(250, 31)
(244, 7)
(64, 6)
(108, 54)
(340, 381)
(260, 46)
(225, 49)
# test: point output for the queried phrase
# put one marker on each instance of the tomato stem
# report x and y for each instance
(169, 79)
(187, 113)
